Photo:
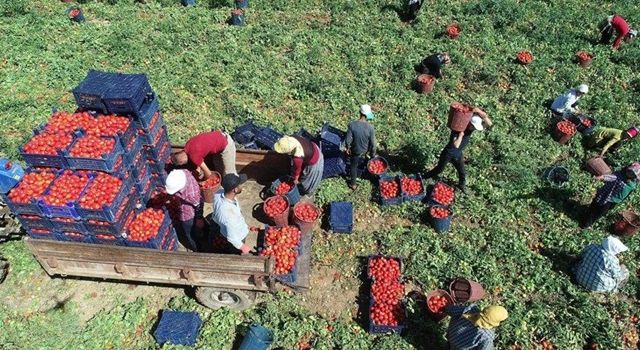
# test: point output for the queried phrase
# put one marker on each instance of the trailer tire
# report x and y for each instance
(216, 298)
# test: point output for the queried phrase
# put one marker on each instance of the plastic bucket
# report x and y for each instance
(242, 4)
(257, 338)
(453, 31)
(584, 124)
(237, 17)
(628, 225)
(559, 135)
(459, 116)
(556, 176)
(75, 14)
(188, 2)
(463, 290)
(208, 193)
(305, 226)
(441, 225)
(438, 293)
(282, 219)
(597, 166)
(425, 83)
(386, 165)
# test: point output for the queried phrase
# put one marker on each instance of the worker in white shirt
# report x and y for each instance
(226, 212)
(565, 104)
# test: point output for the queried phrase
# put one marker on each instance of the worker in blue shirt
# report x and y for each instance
(599, 269)
(227, 214)
(472, 329)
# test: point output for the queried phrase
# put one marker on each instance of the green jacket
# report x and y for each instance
(605, 138)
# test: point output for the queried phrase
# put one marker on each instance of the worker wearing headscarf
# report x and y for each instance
(618, 186)
(306, 159)
(599, 269)
(472, 329)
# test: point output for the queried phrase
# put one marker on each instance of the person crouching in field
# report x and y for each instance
(472, 329)
(433, 64)
(565, 104)
(616, 189)
(599, 269)
(621, 27)
(306, 159)
(609, 138)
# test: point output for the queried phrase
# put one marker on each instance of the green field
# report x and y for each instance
(300, 63)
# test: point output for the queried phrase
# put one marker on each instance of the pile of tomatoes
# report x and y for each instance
(377, 166)
(436, 304)
(47, 143)
(439, 212)
(146, 225)
(212, 182)
(281, 243)
(567, 128)
(411, 187)
(583, 56)
(64, 122)
(587, 122)
(524, 57)
(384, 268)
(284, 188)
(453, 31)
(108, 125)
(387, 314)
(275, 206)
(389, 189)
(92, 146)
(31, 186)
(66, 188)
(546, 345)
(443, 194)
(387, 291)
(306, 212)
(103, 190)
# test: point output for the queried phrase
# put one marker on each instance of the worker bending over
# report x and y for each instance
(216, 145)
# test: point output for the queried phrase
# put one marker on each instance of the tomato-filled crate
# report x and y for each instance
(151, 228)
(389, 192)
(61, 198)
(143, 180)
(23, 197)
(46, 149)
(73, 236)
(147, 113)
(69, 225)
(442, 194)
(151, 134)
(133, 150)
(94, 153)
(284, 244)
(387, 311)
(108, 211)
(160, 152)
(412, 187)
(35, 222)
(115, 228)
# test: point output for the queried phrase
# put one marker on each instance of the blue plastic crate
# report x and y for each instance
(134, 151)
(75, 226)
(10, 174)
(108, 240)
(290, 277)
(17, 208)
(417, 198)
(106, 163)
(160, 152)
(267, 137)
(332, 135)
(165, 234)
(34, 235)
(307, 135)
(250, 145)
(138, 165)
(245, 134)
(157, 168)
(90, 92)
(150, 135)
(35, 222)
(293, 196)
(178, 327)
(128, 94)
(72, 236)
(145, 116)
(333, 167)
(43, 160)
(389, 201)
(128, 135)
(382, 329)
(329, 150)
(170, 245)
(341, 217)
(114, 228)
(110, 212)
(141, 182)
(69, 210)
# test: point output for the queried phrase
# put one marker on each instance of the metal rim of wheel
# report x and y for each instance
(215, 298)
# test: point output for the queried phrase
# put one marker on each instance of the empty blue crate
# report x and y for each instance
(330, 150)
(334, 167)
(267, 137)
(145, 117)
(332, 135)
(341, 217)
(106, 163)
(178, 328)
(389, 201)
(307, 135)
(90, 92)
(415, 198)
(128, 94)
(244, 134)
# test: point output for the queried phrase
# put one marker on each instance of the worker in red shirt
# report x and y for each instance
(215, 144)
(622, 29)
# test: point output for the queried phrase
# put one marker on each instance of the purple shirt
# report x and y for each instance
(189, 198)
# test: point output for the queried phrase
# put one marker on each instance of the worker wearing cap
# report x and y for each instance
(472, 329)
(181, 184)
(621, 27)
(307, 162)
(617, 187)
(610, 138)
(227, 214)
(360, 139)
(215, 144)
(433, 64)
(453, 151)
(412, 8)
(599, 269)
(564, 105)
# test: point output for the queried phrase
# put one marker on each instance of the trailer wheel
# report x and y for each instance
(216, 298)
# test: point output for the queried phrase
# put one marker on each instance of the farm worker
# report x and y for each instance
(472, 329)
(181, 184)
(433, 64)
(413, 6)
(610, 137)
(360, 139)
(621, 27)
(307, 161)
(616, 189)
(599, 269)
(227, 214)
(214, 144)
(565, 104)
(453, 151)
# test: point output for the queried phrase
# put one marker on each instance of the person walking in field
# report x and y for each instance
(216, 145)
(617, 187)
(565, 104)
(182, 185)
(472, 329)
(609, 138)
(453, 152)
(599, 269)
(307, 162)
(412, 8)
(620, 26)
(227, 214)
(433, 64)
(360, 139)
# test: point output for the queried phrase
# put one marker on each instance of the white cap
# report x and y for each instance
(477, 123)
(583, 88)
(176, 180)
(366, 111)
(633, 32)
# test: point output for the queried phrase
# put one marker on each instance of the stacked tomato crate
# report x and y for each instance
(387, 312)
(91, 172)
